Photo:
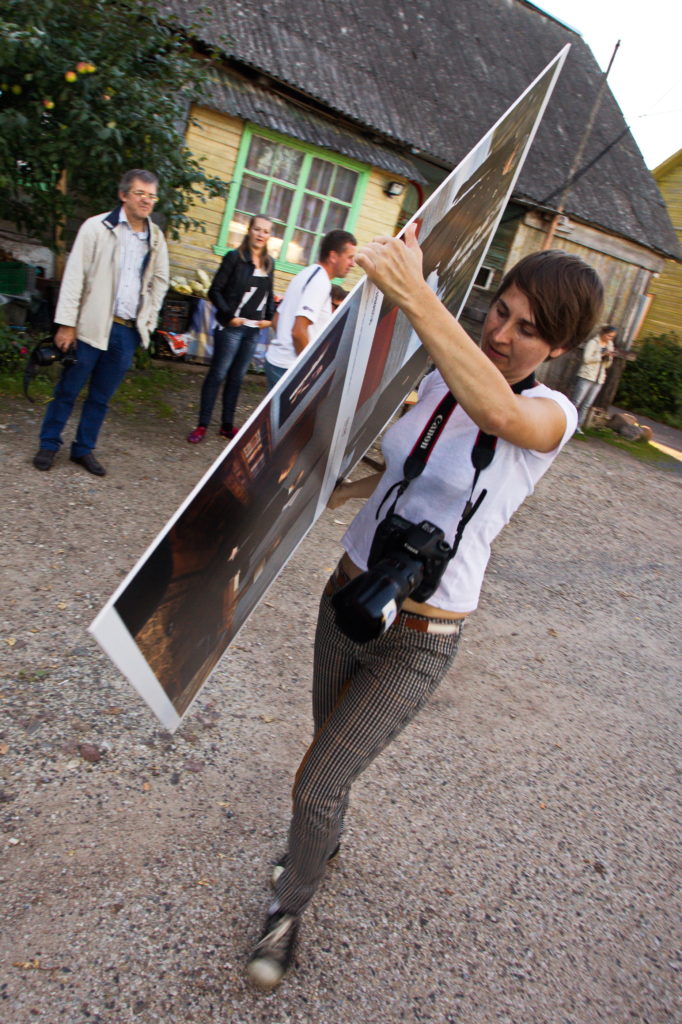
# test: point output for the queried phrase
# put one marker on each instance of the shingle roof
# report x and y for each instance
(230, 94)
(431, 76)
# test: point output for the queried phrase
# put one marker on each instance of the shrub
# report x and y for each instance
(14, 346)
(652, 385)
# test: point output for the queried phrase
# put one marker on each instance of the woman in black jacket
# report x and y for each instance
(242, 294)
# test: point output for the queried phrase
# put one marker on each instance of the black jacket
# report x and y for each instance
(229, 285)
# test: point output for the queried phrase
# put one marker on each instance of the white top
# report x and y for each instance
(441, 491)
(134, 248)
(308, 295)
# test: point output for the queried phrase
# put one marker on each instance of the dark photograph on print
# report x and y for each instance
(313, 369)
(206, 574)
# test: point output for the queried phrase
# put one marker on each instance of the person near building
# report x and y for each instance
(597, 358)
(114, 283)
(241, 292)
(479, 403)
(307, 305)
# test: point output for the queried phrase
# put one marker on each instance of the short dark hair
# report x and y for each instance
(334, 241)
(138, 174)
(338, 294)
(565, 295)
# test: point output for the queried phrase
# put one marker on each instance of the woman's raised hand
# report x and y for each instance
(394, 265)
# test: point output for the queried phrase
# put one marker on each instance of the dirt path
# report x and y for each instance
(512, 858)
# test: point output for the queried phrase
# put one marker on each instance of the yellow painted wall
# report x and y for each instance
(378, 216)
(665, 312)
(216, 137)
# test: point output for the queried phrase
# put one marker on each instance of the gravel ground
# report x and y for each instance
(512, 858)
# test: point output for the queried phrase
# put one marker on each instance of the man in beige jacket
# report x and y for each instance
(113, 286)
(597, 358)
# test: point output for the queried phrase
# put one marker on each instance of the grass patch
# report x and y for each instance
(641, 450)
(11, 384)
(144, 390)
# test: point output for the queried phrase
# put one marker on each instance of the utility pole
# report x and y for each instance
(577, 159)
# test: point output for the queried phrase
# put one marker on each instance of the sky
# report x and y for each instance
(646, 77)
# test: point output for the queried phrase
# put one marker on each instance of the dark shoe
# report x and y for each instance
(197, 435)
(279, 867)
(44, 458)
(228, 431)
(274, 952)
(89, 462)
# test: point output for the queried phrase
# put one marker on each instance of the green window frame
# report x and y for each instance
(306, 190)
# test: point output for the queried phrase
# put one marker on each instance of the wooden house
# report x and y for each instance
(664, 315)
(326, 113)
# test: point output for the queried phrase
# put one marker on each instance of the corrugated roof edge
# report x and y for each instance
(233, 95)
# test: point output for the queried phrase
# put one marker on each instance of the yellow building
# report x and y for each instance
(308, 174)
(664, 315)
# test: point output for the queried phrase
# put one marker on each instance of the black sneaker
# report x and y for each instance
(44, 458)
(279, 867)
(274, 952)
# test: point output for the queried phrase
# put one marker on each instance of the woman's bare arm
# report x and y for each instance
(395, 266)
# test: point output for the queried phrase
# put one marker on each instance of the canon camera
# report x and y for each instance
(405, 560)
(45, 353)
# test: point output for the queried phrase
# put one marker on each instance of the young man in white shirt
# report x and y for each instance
(306, 308)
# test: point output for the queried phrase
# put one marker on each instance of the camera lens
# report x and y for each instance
(369, 604)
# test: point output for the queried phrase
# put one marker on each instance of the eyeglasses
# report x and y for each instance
(145, 195)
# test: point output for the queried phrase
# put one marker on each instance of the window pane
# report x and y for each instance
(287, 164)
(238, 228)
(310, 213)
(336, 217)
(251, 194)
(344, 184)
(320, 176)
(301, 248)
(276, 239)
(280, 202)
(261, 155)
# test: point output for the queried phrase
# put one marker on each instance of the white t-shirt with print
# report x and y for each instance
(308, 295)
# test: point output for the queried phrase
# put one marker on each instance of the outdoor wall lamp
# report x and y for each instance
(394, 188)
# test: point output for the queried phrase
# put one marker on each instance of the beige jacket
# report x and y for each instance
(88, 291)
(593, 367)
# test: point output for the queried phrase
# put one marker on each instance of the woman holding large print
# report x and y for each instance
(470, 464)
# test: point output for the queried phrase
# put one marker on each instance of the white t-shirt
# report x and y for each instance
(441, 491)
(308, 295)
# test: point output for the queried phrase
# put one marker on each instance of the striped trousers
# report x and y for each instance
(363, 696)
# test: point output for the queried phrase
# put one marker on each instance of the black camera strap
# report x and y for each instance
(482, 455)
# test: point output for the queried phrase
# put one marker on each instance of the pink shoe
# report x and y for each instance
(228, 432)
(197, 435)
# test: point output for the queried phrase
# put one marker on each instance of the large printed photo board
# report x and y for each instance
(174, 616)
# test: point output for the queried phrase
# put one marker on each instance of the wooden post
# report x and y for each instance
(60, 255)
(551, 231)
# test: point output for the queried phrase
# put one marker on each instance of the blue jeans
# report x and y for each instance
(105, 369)
(232, 351)
(584, 395)
(273, 373)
